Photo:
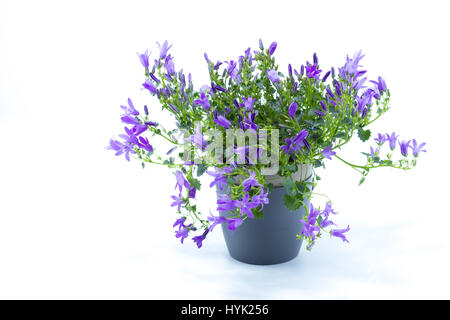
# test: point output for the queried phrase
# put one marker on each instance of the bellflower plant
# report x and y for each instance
(308, 114)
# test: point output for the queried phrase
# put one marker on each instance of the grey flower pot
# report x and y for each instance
(270, 240)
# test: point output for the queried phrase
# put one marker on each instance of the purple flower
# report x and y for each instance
(273, 75)
(233, 223)
(236, 103)
(248, 103)
(381, 84)
(226, 204)
(206, 58)
(144, 144)
(163, 49)
(337, 87)
(292, 109)
(154, 77)
(121, 148)
(339, 233)
(199, 239)
(330, 93)
(148, 84)
(181, 181)
(173, 108)
(169, 65)
(262, 198)
(143, 57)
(130, 120)
(233, 70)
(182, 233)
(250, 182)
(220, 178)
(315, 59)
(287, 147)
(130, 140)
(198, 139)
(404, 145)
(293, 145)
(178, 201)
(151, 123)
(325, 77)
(272, 48)
(192, 192)
(215, 87)
(312, 70)
(416, 148)
(215, 221)
(351, 66)
(381, 139)
(179, 222)
(319, 113)
(222, 121)
(249, 121)
(392, 140)
(130, 110)
(326, 214)
(309, 225)
(374, 152)
(247, 206)
(299, 139)
(328, 153)
(324, 106)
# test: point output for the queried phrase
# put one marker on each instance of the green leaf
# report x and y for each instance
(201, 168)
(364, 135)
(362, 180)
(291, 202)
(348, 121)
(194, 182)
(319, 219)
(288, 185)
(340, 135)
(317, 163)
(301, 186)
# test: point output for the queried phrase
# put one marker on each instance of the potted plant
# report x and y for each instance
(293, 123)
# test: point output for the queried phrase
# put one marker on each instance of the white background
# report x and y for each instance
(77, 222)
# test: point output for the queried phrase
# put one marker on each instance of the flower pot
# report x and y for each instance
(270, 240)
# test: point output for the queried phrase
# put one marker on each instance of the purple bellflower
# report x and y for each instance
(130, 110)
(143, 57)
(417, 148)
(392, 140)
(248, 103)
(198, 139)
(164, 49)
(339, 233)
(222, 121)
(273, 75)
(233, 223)
(250, 182)
(404, 145)
(328, 153)
(292, 109)
(148, 84)
(178, 201)
(203, 101)
(272, 48)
